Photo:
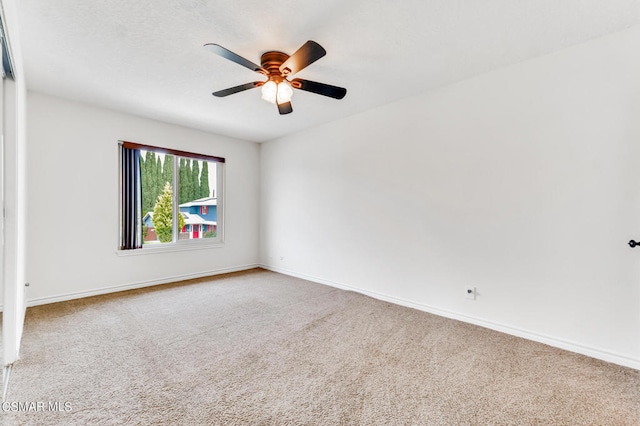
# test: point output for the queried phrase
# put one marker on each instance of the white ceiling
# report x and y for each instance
(146, 57)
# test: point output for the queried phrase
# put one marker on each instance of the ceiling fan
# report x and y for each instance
(278, 67)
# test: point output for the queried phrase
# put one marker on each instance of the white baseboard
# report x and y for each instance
(132, 286)
(507, 329)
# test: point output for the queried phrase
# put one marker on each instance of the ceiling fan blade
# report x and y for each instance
(285, 108)
(236, 89)
(226, 53)
(302, 58)
(319, 88)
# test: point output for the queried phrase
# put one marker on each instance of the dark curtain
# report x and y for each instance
(131, 220)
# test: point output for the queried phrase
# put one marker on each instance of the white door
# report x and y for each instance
(2, 211)
(14, 188)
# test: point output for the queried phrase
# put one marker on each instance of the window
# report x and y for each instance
(169, 197)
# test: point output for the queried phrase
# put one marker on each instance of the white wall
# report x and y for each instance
(73, 201)
(523, 182)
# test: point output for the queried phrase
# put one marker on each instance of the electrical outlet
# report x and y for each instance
(470, 293)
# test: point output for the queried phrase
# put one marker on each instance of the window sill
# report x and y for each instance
(168, 248)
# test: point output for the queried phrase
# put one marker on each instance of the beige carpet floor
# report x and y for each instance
(259, 348)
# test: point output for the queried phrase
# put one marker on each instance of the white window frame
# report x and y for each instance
(192, 243)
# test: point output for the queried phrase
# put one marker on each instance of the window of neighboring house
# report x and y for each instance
(163, 195)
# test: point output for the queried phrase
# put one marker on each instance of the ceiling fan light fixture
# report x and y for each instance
(269, 91)
(285, 92)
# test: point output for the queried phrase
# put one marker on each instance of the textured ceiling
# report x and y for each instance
(147, 58)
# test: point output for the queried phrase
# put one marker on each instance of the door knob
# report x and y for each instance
(632, 243)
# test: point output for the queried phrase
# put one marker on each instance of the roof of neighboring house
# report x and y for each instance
(189, 219)
(194, 219)
(208, 201)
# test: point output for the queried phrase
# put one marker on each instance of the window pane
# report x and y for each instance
(157, 197)
(173, 181)
(197, 198)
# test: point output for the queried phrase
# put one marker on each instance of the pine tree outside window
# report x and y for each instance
(181, 197)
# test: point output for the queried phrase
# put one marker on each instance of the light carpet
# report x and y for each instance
(260, 348)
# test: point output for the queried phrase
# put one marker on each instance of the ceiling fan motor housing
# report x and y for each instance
(271, 61)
